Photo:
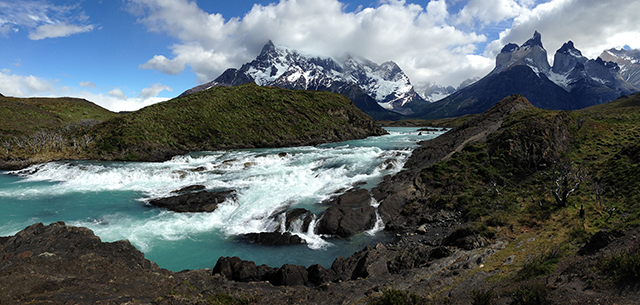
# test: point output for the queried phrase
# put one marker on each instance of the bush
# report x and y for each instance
(542, 264)
(623, 268)
(398, 297)
(533, 294)
(482, 297)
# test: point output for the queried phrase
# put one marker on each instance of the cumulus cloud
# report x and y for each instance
(19, 86)
(417, 38)
(87, 85)
(42, 19)
(117, 93)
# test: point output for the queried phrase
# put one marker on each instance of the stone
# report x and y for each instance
(202, 201)
(274, 238)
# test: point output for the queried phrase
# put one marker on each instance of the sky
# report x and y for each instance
(127, 54)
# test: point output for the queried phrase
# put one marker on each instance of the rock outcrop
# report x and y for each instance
(58, 263)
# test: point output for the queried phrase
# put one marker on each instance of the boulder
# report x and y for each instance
(189, 189)
(202, 201)
(290, 275)
(274, 238)
(345, 222)
(233, 268)
(353, 198)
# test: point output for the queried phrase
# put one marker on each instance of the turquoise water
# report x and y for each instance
(110, 198)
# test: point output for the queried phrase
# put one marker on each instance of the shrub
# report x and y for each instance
(398, 297)
(542, 264)
(532, 294)
(482, 297)
(623, 268)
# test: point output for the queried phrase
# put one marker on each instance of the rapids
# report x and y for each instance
(110, 198)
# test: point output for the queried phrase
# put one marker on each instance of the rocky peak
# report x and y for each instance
(510, 47)
(536, 40)
(531, 54)
(567, 58)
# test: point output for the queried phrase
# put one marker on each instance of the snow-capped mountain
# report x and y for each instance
(574, 81)
(628, 61)
(386, 84)
(432, 92)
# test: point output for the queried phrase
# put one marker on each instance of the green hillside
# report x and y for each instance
(24, 116)
(247, 116)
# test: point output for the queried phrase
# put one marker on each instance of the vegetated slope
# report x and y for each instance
(43, 129)
(548, 182)
(24, 116)
(245, 116)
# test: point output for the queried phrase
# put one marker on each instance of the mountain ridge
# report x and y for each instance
(574, 81)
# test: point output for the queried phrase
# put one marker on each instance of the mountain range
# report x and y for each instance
(573, 82)
(385, 92)
(382, 91)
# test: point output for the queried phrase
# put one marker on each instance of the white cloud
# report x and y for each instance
(20, 86)
(153, 91)
(117, 93)
(87, 85)
(416, 38)
(489, 11)
(58, 30)
(42, 19)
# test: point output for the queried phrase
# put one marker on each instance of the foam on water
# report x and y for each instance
(267, 182)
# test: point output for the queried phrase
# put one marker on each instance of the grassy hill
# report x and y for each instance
(245, 116)
(547, 182)
(24, 116)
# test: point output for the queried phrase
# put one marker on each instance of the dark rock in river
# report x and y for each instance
(188, 189)
(233, 268)
(202, 201)
(274, 238)
(349, 214)
(345, 222)
(353, 198)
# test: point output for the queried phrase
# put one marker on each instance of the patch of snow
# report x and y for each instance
(561, 80)
(602, 81)
(535, 69)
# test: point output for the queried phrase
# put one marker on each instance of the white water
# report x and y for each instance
(89, 193)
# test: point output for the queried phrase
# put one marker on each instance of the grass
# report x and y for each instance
(505, 183)
(397, 297)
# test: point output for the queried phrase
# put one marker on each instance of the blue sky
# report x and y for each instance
(126, 54)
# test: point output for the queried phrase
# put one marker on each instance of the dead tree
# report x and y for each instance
(567, 181)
